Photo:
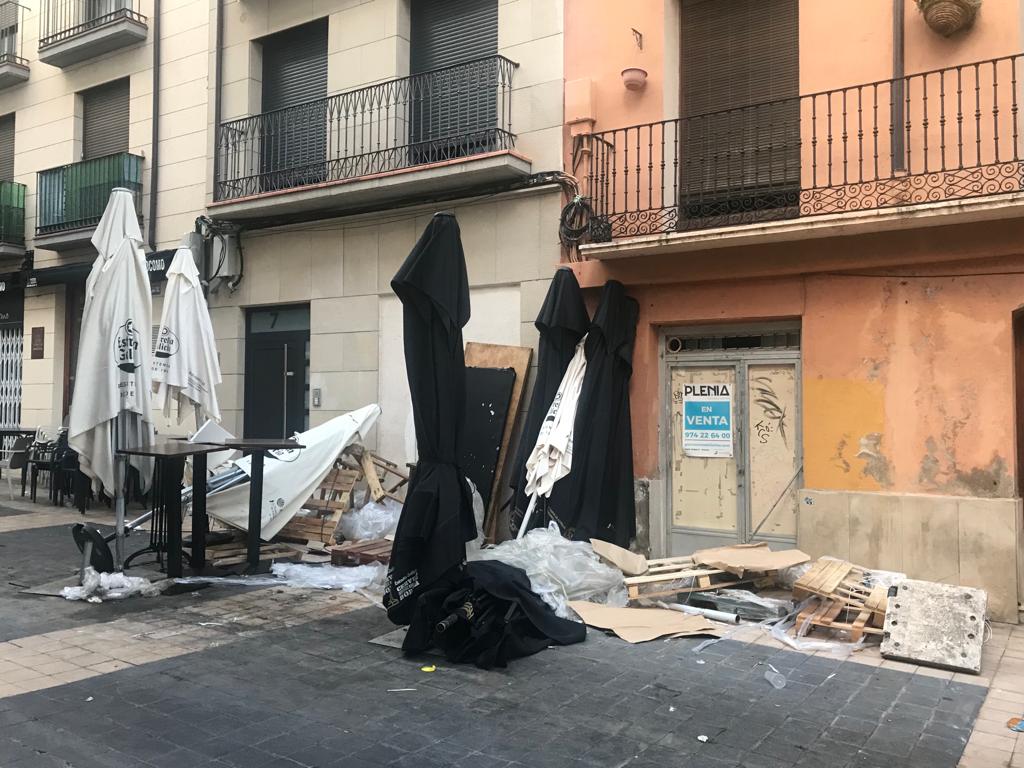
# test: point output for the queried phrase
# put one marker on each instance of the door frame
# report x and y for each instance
(739, 359)
(247, 357)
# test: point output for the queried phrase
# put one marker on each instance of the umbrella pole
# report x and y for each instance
(525, 525)
(119, 480)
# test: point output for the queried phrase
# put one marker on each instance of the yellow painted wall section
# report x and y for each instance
(842, 413)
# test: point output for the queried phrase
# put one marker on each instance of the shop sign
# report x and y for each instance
(707, 420)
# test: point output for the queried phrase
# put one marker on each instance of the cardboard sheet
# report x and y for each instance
(756, 558)
(638, 625)
(630, 563)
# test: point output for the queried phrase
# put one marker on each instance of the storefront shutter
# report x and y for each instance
(7, 147)
(737, 54)
(105, 119)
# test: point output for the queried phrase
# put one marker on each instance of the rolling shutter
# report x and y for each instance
(736, 55)
(105, 120)
(447, 32)
(295, 66)
(454, 112)
(294, 144)
(7, 147)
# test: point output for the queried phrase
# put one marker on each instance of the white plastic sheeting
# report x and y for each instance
(98, 587)
(560, 570)
(374, 520)
(367, 580)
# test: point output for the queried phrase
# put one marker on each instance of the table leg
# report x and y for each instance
(200, 522)
(173, 470)
(255, 509)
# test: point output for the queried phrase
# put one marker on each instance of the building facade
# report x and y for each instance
(308, 143)
(829, 225)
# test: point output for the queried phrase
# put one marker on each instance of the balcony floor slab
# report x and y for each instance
(119, 33)
(12, 73)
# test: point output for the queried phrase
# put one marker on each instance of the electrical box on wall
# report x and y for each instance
(225, 263)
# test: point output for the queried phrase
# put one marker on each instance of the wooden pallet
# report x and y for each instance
(236, 553)
(657, 581)
(361, 552)
(837, 615)
(845, 584)
(332, 498)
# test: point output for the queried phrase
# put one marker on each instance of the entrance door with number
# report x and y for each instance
(734, 453)
(277, 372)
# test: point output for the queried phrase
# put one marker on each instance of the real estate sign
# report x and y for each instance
(707, 420)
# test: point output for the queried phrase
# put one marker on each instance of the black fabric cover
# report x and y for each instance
(596, 499)
(562, 321)
(437, 517)
(508, 620)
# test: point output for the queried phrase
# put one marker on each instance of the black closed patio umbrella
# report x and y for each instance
(562, 321)
(437, 517)
(596, 499)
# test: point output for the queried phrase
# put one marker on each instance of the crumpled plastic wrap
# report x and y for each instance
(366, 580)
(98, 587)
(798, 640)
(560, 570)
(374, 520)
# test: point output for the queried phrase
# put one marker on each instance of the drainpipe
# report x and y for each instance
(898, 89)
(154, 151)
(218, 74)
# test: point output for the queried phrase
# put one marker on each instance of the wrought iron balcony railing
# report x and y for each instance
(12, 213)
(12, 28)
(64, 19)
(431, 117)
(74, 196)
(941, 135)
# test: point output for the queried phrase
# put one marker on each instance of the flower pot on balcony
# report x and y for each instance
(634, 78)
(947, 17)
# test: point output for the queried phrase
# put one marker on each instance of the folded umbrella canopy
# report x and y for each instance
(551, 457)
(437, 517)
(110, 408)
(185, 366)
(596, 499)
(561, 323)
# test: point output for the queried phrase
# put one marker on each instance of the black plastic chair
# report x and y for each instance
(16, 461)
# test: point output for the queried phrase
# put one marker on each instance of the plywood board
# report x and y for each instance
(501, 356)
(741, 559)
(638, 625)
(940, 625)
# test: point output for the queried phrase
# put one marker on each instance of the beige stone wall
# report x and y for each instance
(973, 542)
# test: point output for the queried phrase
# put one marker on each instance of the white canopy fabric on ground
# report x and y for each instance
(186, 371)
(551, 457)
(291, 477)
(113, 373)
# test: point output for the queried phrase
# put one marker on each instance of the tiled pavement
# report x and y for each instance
(287, 678)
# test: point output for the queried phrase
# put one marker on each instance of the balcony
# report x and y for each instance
(438, 133)
(72, 31)
(930, 140)
(12, 219)
(70, 199)
(13, 64)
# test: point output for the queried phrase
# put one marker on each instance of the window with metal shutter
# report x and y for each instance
(454, 113)
(105, 119)
(7, 147)
(294, 111)
(736, 57)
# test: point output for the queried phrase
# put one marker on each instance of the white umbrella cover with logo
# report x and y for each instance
(110, 407)
(185, 366)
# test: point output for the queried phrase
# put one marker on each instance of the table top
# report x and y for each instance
(261, 444)
(171, 449)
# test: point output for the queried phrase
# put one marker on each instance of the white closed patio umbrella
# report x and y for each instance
(186, 371)
(110, 408)
(551, 457)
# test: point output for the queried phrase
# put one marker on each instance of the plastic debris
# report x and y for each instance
(97, 587)
(701, 661)
(374, 520)
(367, 580)
(702, 739)
(89, 698)
(776, 678)
(671, 708)
(701, 646)
(1015, 724)
(400, 690)
(780, 631)
(428, 668)
(745, 604)
(560, 570)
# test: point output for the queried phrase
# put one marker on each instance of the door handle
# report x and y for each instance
(284, 393)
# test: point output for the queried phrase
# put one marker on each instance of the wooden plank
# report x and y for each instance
(499, 356)
(377, 491)
(673, 575)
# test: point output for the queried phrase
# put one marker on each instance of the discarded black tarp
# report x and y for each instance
(562, 321)
(595, 500)
(487, 616)
(437, 517)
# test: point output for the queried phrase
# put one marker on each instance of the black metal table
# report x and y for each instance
(257, 448)
(170, 456)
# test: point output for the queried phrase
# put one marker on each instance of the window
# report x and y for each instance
(7, 147)
(105, 119)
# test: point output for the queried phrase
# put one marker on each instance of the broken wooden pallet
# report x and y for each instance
(841, 582)
(235, 553)
(362, 552)
(837, 615)
(332, 498)
(664, 583)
